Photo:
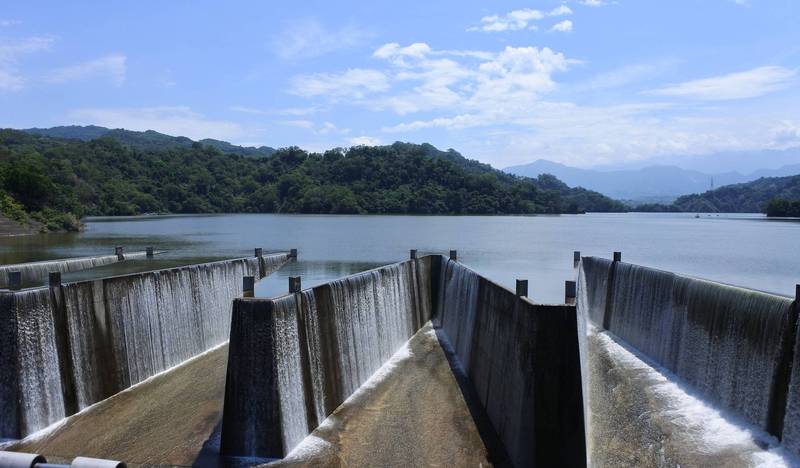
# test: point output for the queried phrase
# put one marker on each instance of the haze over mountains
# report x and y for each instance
(665, 180)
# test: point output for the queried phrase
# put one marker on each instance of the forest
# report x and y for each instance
(57, 181)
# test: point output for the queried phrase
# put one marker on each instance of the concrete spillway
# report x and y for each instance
(731, 346)
(69, 346)
(293, 360)
(36, 272)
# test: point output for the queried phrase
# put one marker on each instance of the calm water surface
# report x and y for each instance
(746, 250)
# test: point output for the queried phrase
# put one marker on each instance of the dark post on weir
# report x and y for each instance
(576, 258)
(259, 252)
(248, 286)
(54, 279)
(293, 253)
(294, 284)
(118, 253)
(617, 256)
(454, 255)
(570, 292)
(413, 254)
(14, 280)
(522, 288)
(149, 252)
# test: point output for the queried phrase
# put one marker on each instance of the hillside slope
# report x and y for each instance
(750, 197)
(107, 177)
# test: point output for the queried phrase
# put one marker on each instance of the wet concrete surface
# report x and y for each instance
(411, 413)
(645, 417)
(164, 421)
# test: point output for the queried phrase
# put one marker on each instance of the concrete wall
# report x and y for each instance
(36, 272)
(522, 361)
(733, 345)
(69, 346)
(293, 360)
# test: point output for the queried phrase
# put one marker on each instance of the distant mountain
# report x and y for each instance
(750, 197)
(650, 184)
(743, 162)
(147, 141)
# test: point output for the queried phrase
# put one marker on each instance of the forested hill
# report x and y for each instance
(104, 176)
(149, 140)
(749, 197)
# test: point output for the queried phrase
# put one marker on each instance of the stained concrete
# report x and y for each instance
(162, 421)
(414, 415)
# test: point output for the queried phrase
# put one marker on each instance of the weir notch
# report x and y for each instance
(413, 254)
(454, 255)
(248, 286)
(522, 288)
(294, 284)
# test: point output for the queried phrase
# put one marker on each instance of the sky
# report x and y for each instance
(584, 82)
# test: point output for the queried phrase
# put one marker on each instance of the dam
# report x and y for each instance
(638, 367)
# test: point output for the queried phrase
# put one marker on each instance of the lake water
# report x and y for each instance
(747, 250)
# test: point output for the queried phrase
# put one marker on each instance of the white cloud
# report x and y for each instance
(511, 21)
(308, 38)
(176, 121)
(560, 11)
(300, 123)
(365, 141)
(11, 52)
(563, 26)
(355, 83)
(787, 134)
(740, 85)
(4, 23)
(628, 74)
(248, 110)
(595, 3)
(111, 66)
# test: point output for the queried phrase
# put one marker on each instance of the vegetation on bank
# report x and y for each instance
(783, 208)
(60, 180)
(749, 197)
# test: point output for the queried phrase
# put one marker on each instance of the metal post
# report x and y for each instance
(294, 284)
(248, 286)
(259, 252)
(118, 252)
(570, 292)
(149, 251)
(14, 280)
(413, 254)
(617, 256)
(576, 258)
(522, 288)
(293, 253)
(54, 279)
(454, 255)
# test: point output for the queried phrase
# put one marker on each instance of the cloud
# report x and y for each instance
(517, 19)
(628, 74)
(596, 3)
(355, 83)
(4, 23)
(365, 141)
(177, 121)
(563, 26)
(787, 134)
(739, 85)
(111, 66)
(11, 52)
(308, 38)
(248, 110)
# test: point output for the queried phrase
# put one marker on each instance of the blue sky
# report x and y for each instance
(580, 82)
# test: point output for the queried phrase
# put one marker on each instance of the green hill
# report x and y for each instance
(749, 197)
(148, 140)
(59, 179)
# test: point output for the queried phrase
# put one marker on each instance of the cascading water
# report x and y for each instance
(110, 334)
(458, 303)
(40, 394)
(37, 272)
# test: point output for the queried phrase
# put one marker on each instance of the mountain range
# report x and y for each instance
(654, 183)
